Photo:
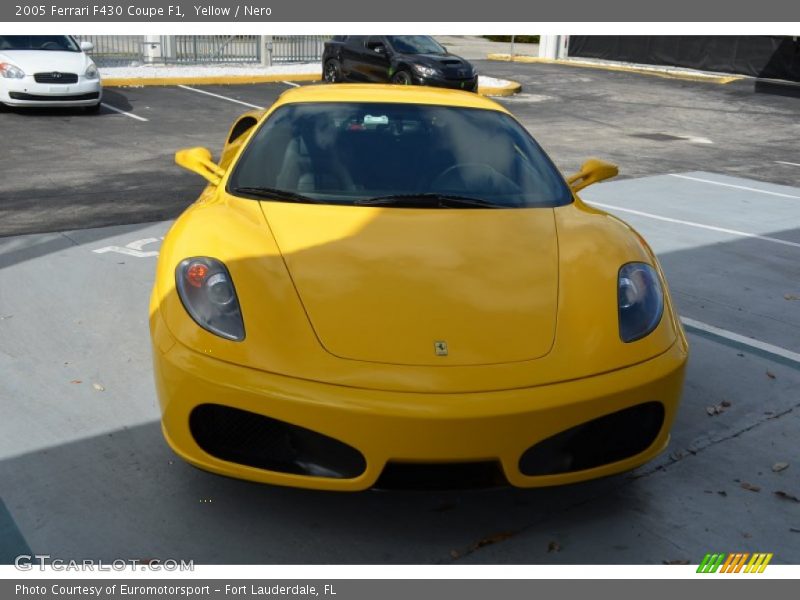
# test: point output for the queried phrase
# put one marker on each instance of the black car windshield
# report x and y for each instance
(415, 44)
(409, 155)
(63, 43)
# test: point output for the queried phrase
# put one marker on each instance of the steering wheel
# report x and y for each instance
(496, 178)
(50, 44)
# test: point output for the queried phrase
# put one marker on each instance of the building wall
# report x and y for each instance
(774, 57)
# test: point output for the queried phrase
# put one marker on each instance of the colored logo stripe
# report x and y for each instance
(758, 563)
(710, 563)
(734, 562)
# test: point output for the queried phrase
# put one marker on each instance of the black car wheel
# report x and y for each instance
(402, 78)
(332, 72)
(93, 109)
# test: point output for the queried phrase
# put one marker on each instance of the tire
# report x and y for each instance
(402, 77)
(93, 109)
(332, 73)
(3, 108)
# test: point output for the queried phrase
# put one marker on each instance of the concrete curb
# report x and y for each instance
(209, 80)
(512, 87)
(665, 72)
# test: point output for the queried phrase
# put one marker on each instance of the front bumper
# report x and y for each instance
(392, 427)
(26, 92)
(469, 84)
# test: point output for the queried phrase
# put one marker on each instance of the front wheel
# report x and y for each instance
(93, 109)
(402, 78)
(332, 73)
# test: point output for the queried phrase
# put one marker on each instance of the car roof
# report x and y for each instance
(372, 92)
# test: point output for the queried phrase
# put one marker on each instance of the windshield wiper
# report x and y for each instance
(428, 200)
(275, 194)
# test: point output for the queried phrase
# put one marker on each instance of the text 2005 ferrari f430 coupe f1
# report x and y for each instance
(381, 280)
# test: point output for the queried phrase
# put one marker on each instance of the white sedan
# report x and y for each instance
(48, 71)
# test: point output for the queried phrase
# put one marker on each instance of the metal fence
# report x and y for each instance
(115, 50)
(124, 50)
(198, 49)
(297, 48)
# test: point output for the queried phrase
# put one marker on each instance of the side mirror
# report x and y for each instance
(198, 160)
(592, 171)
(87, 46)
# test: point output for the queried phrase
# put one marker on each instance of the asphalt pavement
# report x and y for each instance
(68, 170)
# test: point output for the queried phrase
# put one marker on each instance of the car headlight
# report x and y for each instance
(9, 71)
(91, 72)
(425, 71)
(206, 290)
(641, 301)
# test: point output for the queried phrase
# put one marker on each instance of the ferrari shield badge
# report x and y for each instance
(440, 347)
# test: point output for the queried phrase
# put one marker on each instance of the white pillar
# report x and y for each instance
(266, 50)
(152, 50)
(548, 46)
(563, 47)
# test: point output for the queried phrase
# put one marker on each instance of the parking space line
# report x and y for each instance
(737, 340)
(221, 97)
(738, 187)
(291, 83)
(123, 112)
(746, 234)
(791, 164)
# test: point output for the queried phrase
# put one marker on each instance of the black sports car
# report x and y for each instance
(401, 59)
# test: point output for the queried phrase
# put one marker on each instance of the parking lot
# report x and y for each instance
(710, 175)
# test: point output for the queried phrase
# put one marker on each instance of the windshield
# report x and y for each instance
(38, 42)
(353, 153)
(415, 44)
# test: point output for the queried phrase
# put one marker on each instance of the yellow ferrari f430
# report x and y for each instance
(381, 283)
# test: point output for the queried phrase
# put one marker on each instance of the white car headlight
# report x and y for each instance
(206, 290)
(9, 71)
(640, 299)
(91, 72)
(425, 71)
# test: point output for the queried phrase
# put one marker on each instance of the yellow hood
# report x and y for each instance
(390, 285)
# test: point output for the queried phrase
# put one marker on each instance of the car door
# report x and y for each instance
(376, 59)
(352, 57)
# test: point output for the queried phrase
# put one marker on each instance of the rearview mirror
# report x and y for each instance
(87, 46)
(198, 160)
(592, 171)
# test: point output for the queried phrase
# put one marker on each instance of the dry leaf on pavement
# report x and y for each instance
(786, 496)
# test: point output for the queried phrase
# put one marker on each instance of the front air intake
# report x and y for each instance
(254, 440)
(598, 442)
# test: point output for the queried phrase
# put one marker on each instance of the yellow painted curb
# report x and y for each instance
(510, 89)
(507, 90)
(209, 80)
(721, 79)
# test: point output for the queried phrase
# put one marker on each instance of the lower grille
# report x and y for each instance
(441, 476)
(55, 77)
(246, 438)
(604, 440)
(40, 98)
